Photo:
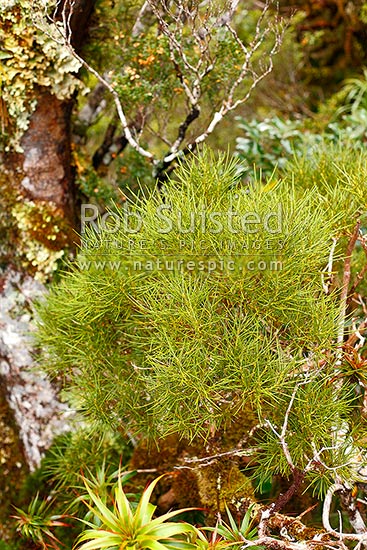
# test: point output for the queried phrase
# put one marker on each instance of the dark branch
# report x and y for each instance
(80, 10)
(293, 489)
(193, 115)
(164, 169)
(104, 148)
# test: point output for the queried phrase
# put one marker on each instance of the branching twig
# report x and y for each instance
(356, 335)
(298, 475)
(282, 435)
(206, 460)
(172, 22)
(361, 536)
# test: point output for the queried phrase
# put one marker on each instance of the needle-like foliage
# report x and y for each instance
(200, 303)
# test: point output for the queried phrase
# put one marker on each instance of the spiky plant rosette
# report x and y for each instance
(197, 304)
(122, 527)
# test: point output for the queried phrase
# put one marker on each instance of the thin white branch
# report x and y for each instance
(317, 458)
(174, 42)
(356, 332)
(362, 537)
(328, 269)
(227, 16)
(282, 435)
(120, 111)
(234, 452)
(229, 104)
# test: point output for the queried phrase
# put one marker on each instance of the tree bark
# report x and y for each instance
(41, 176)
(46, 161)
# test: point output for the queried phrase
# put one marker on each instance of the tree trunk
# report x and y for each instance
(46, 161)
(37, 192)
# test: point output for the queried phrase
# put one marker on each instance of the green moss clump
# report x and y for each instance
(222, 484)
(43, 236)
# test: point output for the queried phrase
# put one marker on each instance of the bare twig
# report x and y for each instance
(206, 460)
(360, 536)
(66, 34)
(298, 475)
(316, 459)
(346, 281)
(282, 435)
(356, 335)
(329, 269)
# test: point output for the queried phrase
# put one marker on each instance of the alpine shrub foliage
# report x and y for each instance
(200, 303)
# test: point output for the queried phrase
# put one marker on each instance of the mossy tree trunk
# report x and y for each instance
(37, 219)
(43, 171)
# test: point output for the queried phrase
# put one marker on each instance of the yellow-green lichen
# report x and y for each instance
(42, 235)
(29, 58)
(45, 261)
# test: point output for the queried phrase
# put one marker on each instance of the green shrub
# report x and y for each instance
(155, 347)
